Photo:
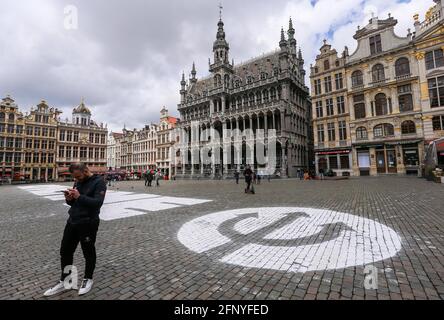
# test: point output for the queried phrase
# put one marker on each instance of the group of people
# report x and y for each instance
(152, 175)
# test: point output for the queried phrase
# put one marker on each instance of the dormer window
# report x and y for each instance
(375, 44)
(326, 65)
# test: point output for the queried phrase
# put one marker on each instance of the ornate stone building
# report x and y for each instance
(12, 124)
(113, 150)
(81, 140)
(429, 50)
(149, 148)
(384, 102)
(165, 142)
(331, 117)
(40, 144)
(267, 92)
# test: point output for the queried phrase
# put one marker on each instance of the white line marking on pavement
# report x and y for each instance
(120, 204)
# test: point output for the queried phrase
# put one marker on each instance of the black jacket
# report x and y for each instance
(87, 207)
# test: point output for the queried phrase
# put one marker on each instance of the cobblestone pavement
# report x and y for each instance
(155, 250)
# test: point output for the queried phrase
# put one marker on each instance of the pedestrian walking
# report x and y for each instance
(301, 174)
(108, 179)
(236, 176)
(157, 177)
(150, 178)
(321, 173)
(248, 174)
(145, 177)
(85, 199)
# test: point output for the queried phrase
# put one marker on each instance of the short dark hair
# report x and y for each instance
(77, 167)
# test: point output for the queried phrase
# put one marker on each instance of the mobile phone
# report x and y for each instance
(64, 191)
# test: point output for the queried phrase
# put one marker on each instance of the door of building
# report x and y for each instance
(391, 161)
(380, 161)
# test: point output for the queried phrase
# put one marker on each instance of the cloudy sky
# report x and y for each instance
(126, 57)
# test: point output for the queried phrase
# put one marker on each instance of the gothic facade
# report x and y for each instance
(267, 92)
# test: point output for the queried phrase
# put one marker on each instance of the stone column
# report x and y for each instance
(274, 123)
(354, 162)
(225, 151)
(373, 168)
(400, 160)
(224, 102)
(282, 122)
(420, 157)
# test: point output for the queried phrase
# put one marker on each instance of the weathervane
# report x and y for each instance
(220, 10)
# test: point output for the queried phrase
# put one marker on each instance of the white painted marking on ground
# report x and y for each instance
(120, 204)
(359, 241)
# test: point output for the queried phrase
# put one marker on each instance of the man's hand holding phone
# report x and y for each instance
(74, 193)
(68, 195)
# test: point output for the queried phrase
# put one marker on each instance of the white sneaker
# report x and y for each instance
(59, 288)
(86, 286)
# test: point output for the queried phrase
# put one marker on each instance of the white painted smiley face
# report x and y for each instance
(290, 238)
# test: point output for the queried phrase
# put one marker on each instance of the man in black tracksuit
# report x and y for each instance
(86, 198)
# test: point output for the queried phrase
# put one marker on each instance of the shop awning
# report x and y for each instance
(323, 153)
(387, 143)
(403, 142)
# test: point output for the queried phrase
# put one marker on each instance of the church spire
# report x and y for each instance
(283, 42)
(193, 71)
(193, 74)
(291, 33)
(221, 46)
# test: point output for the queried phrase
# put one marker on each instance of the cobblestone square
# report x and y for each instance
(209, 240)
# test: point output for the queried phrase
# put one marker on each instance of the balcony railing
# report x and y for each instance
(357, 86)
(403, 77)
(378, 82)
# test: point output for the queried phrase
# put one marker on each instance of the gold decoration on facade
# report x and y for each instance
(420, 55)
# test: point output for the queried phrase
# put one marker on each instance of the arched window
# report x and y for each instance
(11, 117)
(378, 72)
(361, 133)
(402, 67)
(251, 99)
(265, 95)
(258, 97)
(273, 94)
(237, 83)
(245, 101)
(217, 80)
(2, 116)
(357, 78)
(408, 127)
(383, 130)
(226, 80)
(381, 107)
